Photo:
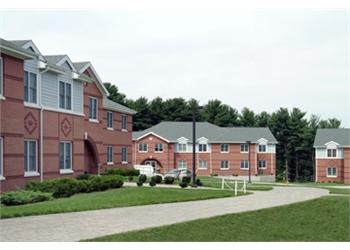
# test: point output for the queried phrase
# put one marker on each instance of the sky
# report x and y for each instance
(262, 59)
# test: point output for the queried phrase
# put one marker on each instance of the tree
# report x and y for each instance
(262, 119)
(247, 118)
(114, 93)
(143, 117)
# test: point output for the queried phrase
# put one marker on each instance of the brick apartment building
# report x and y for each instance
(332, 155)
(56, 120)
(221, 151)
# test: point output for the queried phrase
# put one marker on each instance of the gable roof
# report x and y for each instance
(111, 105)
(174, 130)
(338, 135)
(13, 49)
(20, 43)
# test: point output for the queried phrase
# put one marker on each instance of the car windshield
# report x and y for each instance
(174, 171)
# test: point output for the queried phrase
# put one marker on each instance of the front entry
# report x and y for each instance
(154, 164)
(90, 159)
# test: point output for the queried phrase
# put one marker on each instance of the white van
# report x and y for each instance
(147, 170)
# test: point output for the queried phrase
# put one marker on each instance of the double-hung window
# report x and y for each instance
(92, 108)
(244, 164)
(30, 156)
(224, 165)
(124, 155)
(331, 172)
(1, 77)
(124, 122)
(262, 148)
(202, 164)
(262, 164)
(158, 147)
(1, 158)
(181, 164)
(224, 148)
(331, 153)
(65, 156)
(109, 154)
(244, 148)
(65, 95)
(182, 147)
(202, 147)
(143, 147)
(30, 87)
(109, 120)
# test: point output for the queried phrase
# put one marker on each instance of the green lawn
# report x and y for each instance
(112, 198)
(324, 219)
(339, 190)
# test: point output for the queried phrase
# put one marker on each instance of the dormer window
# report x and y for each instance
(65, 95)
(262, 148)
(202, 147)
(331, 153)
(182, 147)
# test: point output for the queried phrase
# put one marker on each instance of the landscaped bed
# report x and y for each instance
(122, 197)
(324, 219)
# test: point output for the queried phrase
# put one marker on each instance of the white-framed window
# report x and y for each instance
(65, 95)
(262, 164)
(1, 76)
(224, 164)
(110, 118)
(331, 153)
(224, 148)
(30, 156)
(244, 148)
(124, 155)
(1, 157)
(158, 147)
(182, 147)
(182, 164)
(124, 122)
(92, 108)
(202, 147)
(65, 155)
(30, 87)
(331, 172)
(143, 147)
(244, 164)
(203, 164)
(109, 154)
(262, 148)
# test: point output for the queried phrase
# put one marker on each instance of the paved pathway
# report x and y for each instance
(89, 224)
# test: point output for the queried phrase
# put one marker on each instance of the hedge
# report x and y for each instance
(21, 197)
(122, 172)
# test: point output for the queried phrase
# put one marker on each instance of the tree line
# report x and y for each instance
(294, 132)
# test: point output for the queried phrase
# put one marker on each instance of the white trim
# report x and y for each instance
(2, 158)
(31, 174)
(66, 171)
(2, 97)
(32, 105)
(110, 162)
(36, 156)
(71, 95)
(206, 164)
(2, 178)
(161, 147)
(110, 129)
(240, 165)
(126, 154)
(262, 167)
(262, 141)
(138, 147)
(37, 88)
(99, 81)
(1, 78)
(240, 148)
(35, 48)
(151, 133)
(124, 116)
(124, 162)
(228, 165)
(96, 118)
(331, 142)
(228, 148)
(124, 130)
(63, 111)
(66, 59)
(108, 113)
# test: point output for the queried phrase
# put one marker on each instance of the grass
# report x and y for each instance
(339, 190)
(323, 219)
(123, 197)
(215, 182)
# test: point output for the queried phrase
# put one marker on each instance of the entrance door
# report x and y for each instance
(153, 164)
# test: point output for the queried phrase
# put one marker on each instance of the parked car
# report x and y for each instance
(147, 170)
(179, 173)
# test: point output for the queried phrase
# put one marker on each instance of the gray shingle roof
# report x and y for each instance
(79, 65)
(174, 130)
(54, 59)
(111, 105)
(7, 45)
(19, 43)
(338, 135)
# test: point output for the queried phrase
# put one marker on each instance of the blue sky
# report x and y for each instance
(263, 59)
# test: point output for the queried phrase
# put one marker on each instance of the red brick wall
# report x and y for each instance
(347, 165)
(323, 164)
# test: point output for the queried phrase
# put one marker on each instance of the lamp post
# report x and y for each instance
(194, 148)
(249, 170)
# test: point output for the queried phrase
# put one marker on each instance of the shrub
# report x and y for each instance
(84, 177)
(186, 179)
(142, 178)
(214, 175)
(84, 186)
(157, 179)
(199, 182)
(169, 180)
(139, 183)
(183, 184)
(21, 197)
(152, 183)
(65, 188)
(45, 186)
(122, 172)
(130, 178)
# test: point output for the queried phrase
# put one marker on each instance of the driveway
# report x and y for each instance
(90, 224)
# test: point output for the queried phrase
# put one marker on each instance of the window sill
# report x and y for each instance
(263, 168)
(124, 130)
(124, 162)
(224, 168)
(224, 152)
(31, 174)
(158, 152)
(94, 121)
(31, 105)
(66, 171)
(202, 168)
(111, 129)
(244, 152)
(2, 178)
(110, 163)
(143, 151)
(2, 97)
(244, 169)
(332, 176)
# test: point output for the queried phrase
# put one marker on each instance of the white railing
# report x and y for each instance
(234, 185)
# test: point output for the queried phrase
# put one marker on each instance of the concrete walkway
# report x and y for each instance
(90, 224)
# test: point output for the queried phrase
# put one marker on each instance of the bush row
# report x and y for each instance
(122, 172)
(21, 197)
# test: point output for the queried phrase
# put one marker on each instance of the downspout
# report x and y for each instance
(41, 128)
